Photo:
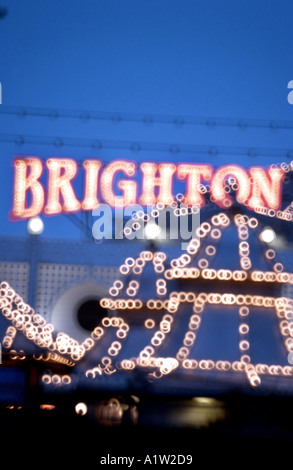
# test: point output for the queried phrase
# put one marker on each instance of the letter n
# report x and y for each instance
(266, 187)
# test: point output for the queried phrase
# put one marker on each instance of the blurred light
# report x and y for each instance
(206, 401)
(202, 412)
(290, 357)
(109, 412)
(152, 230)
(124, 406)
(47, 407)
(81, 409)
(268, 235)
(135, 398)
(35, 226)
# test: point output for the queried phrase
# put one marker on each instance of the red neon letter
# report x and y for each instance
(218, 185)
(266, 187)
(91, 168)
(28, 181)
(60, 184)
(164, 182)
(128, 187)
(194, 173)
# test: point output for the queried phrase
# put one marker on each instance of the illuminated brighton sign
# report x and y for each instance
(124, 182)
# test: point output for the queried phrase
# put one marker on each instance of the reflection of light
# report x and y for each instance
(35, 226)
(268, 235)
(152, 230)
(81, 409)
(135, 398)
(109, 412)
(48, 407)
(206, 401)
(200, 413)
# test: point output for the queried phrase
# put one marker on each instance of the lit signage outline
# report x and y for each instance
(57, 346)
(255, 187)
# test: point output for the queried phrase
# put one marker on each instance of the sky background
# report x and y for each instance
(209, 59)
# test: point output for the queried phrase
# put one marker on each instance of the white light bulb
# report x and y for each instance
(152, 230)
(81, 409)
(268, 235)
(35, 226)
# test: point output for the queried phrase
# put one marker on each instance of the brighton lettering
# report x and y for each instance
(50, 188)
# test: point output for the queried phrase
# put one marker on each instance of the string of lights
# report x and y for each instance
(136, 147)
(145, 119)
(125, 295)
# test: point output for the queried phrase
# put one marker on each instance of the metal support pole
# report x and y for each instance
(34, 258)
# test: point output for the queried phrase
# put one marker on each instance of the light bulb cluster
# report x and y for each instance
(161, 311)
(36, 328)
(180, 267)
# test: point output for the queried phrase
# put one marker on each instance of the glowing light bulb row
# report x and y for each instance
(265, 369)
(66, 345)
(92, 373)
(194, 324)
(285, 166)
(192, 248)
(244, 347)
(36, 328)
(121, 304)
(9, 337)
(164, 365)
(104, 367)
(161, 287)
(48, 357)
(140, 217)
(157, 340)
(176, 298)
(189, 338)
(244, 248)
(132, 288)
(218, 221)
(56, 379)
(253, 370)
(23, 317)
(285, 314)
(127, 364)
(136, 266)
(184, 273)
(114, 348)
(278, 214)
(167, 365)
(115, 322)
(17, 355)
(154, 304)
(201, 232)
